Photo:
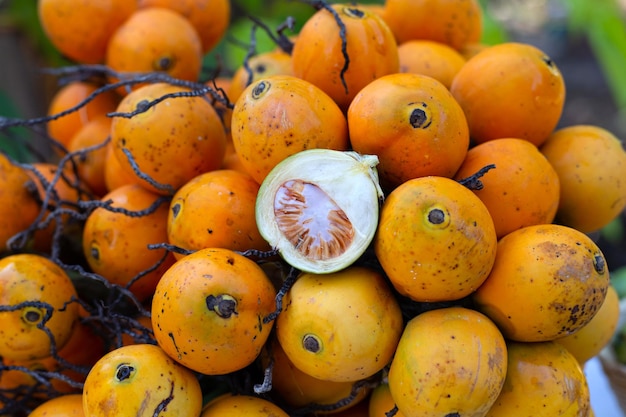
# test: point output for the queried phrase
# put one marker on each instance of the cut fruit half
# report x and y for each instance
(319, 208)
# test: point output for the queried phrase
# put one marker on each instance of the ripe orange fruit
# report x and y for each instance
(210, 18)
(291, 115)
(259, 66)
(64, 194)
(81, 29)
(453, 22)
(543, 379)
(114, 174)
(318, 58)
(64, 372)
(381, 402)
(412, 123)
(450, 361)
(69, 405)
(232, 160)
(591, 164)
(70, 95)
(172, 141)
(299, 389)
(242, 406)
(141, 380)
(435, 59)
(115, 244)
(18, 200)
(222, 298)
(42, 294)
(510, 90)
(215, 210)
(324, 319)
(547, 282)
(436, 240)
(156, 39)
(522, 190)
(590, 339)
(90, 162)
(471, 49)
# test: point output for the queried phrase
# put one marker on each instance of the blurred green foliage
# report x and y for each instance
(603, 23)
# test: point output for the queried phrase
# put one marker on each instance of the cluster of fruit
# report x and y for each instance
(378, 218)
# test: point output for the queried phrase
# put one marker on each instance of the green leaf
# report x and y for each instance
(12, 140)
(618, 280)
(494, 31)
(614, 231)
(607, 36)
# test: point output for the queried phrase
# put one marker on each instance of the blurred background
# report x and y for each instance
(586, 39)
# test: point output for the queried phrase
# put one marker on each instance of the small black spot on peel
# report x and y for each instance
(164, 64)
(171, 336)
(436, 216)
(123, 372)
(95, 253)
(599, 264)
(311, 343)
(163, 404)
(354, 12)
(419, 119)
(549, 62)
(175, 210)
(260, 88)
(223, 305)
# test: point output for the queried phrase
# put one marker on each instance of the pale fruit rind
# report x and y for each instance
(320, 188)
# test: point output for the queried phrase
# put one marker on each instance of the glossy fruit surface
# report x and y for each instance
(258, 67)
(222, 297)
(449, 361)
(81, 29)
(115, 244)
(184, 134)
(381, 402)
(510, 90)
(559, 273)
(215, 210)
(18, 194)
(591, 164)
(210, 18)
(35, 293)
(590, 339)
(412, 123)
(522, 189)
(291, 115)
(242, 406)
(318, 58)
(90, 147)
(453, 22)
(140, 380)
(431, 58)
(70, 405)
(71, 95)
(435, 240)
(326, 316)
(299, 389)
(543, 379)
(156, 39)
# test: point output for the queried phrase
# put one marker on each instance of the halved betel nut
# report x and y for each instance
(319, 208)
